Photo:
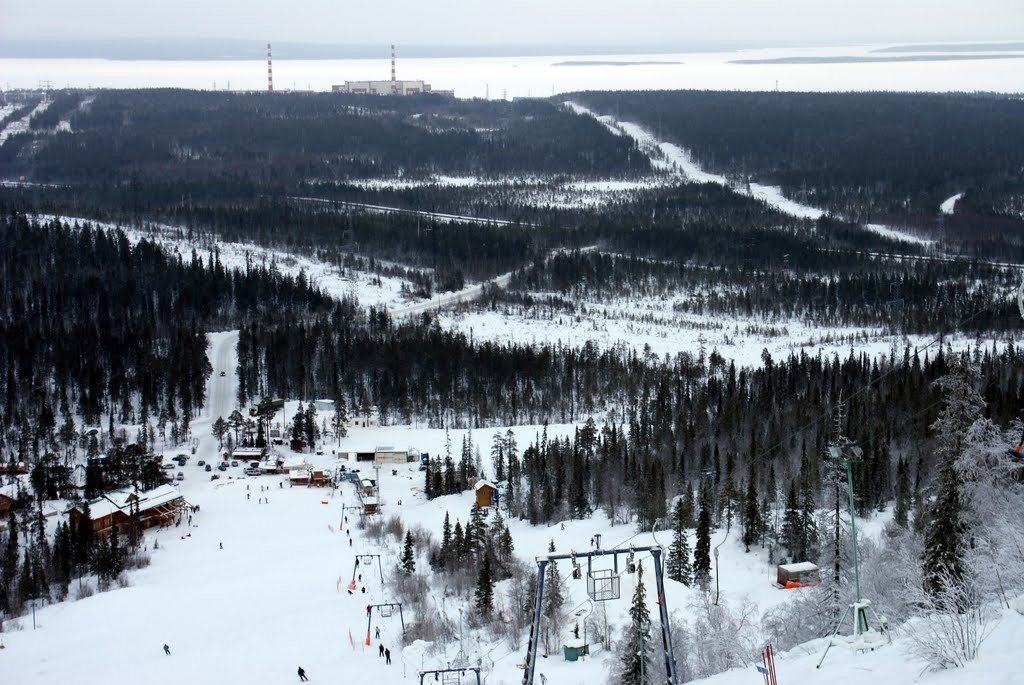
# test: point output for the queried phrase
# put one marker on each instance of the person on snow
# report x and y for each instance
(380, 650)
(387, 656)
(376, 632)
(167, 650)
(302, 675)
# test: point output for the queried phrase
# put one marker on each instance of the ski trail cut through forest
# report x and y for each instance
(470, 292)
(676, 160)
(440, 216)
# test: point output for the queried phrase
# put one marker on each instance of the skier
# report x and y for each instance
(380, 650)
(376, 632)
(387, 656)
(222, 545)
(302, 675)
(167, 650)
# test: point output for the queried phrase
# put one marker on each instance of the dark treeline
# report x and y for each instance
(59, 108)
(901, 295)
(283, 139)
(867, 156)
(731, 438)
(94, 326)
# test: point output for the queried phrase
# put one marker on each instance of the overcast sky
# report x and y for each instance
(483, 22)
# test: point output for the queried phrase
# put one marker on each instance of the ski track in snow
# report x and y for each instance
(673, 158)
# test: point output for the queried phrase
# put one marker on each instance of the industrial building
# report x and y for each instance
(392, 87)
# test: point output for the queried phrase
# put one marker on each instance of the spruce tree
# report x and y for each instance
(553, 602)
(485, 586)
(752, 524)
(901, 512)
(944, 543)
(679, 552)
(636, 645)
(702, 548)
(791, 522)
(408, 555)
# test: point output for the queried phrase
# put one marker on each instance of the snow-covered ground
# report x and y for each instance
(254, 587)
(369, 288)
(948, 205)
(21, 125)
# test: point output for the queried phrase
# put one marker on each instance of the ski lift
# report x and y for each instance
(366, 560)
(630, 562)
(387, 611)
(576, 573)
(602, 585)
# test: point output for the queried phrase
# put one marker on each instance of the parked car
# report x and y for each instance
(319, 450)
(222, 373)
(209, 468)
(254, 464)
(253, 472)
(222, 467)
(201, 462)
(234, 463)
(215, 476)
(169, 467)
(181, 476)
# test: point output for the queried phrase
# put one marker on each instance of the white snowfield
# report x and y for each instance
(437, 216)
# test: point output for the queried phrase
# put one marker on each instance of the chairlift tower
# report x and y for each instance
(451, 676)
(846, 454)
(602, 585)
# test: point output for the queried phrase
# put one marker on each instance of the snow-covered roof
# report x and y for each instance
(245, 451)
(482, 483)
(299, 474)
(799, 567)
(369, 500)
(118, 500)
(291, 463)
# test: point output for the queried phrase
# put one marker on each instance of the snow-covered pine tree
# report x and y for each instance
(944, 544)
(485, 586)
(636, 646)
(679, 568)
(946, 532)
(791, 524)
(408, 564)
(752, 524)
(554, 601)
(702, 547)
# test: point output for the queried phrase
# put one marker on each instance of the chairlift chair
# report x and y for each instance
(386, 611)
(603, 585)
(366, 560)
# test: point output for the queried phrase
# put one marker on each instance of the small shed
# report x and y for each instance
(574, 649)
(485, 493)
(321, 478)
(299, 477)
(800, 574)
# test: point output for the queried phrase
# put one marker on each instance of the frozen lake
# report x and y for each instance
(802, 69)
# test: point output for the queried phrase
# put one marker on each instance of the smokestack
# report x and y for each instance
(270, 71)
(393, 62)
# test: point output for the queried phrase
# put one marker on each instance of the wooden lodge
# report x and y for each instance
(157, 507)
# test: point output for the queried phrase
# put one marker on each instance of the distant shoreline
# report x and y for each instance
(852, 59)
(611, 63)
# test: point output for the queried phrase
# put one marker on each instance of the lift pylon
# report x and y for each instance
(666, 633)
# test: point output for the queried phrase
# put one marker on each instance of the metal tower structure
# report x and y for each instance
(270, 71)
(602, 585)
(393, 79)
